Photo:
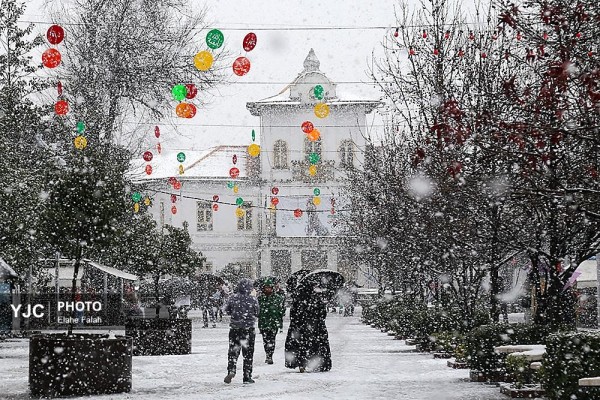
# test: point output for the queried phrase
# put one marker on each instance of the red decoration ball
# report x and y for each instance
(148, 156)
(234, 172)
(61, 107)
(51, 58)
(275, 190)
(192, 91)
(297, 213)
(241, 66)
(307, 126)
(55, 34)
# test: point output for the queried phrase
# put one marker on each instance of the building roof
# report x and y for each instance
(299, 91)
(212, 163)
(6, 272)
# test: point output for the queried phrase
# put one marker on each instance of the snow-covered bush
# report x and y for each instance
(569, 357)
(481, 341)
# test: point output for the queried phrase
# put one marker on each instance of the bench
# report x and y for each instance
(590, 382)
(531, 352)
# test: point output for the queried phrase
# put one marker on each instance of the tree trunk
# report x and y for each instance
(156, 294)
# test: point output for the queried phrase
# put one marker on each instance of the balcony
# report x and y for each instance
(324, 173)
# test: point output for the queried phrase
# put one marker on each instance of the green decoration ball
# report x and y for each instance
(253, 135)
(80, 126)
(239, 201)
(179, 92)
(181, 157)
(318, 91)
(230, 185)
(215, 39)
(316, 191)
(314, 158)
(136, 196)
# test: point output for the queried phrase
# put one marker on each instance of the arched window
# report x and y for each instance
(312, 147)
(280, 155)
(346, 153)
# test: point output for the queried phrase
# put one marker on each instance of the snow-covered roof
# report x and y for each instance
(299, 91)
(589, 273)
(212, 163)
(6, 272)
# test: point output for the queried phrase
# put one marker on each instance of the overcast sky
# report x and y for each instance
(278, 56)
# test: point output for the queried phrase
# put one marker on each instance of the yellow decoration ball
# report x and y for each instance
(254, 150)
(316, 200)
(147, 201)
(203, 60)
(180, 169)
(312, 170)
(136, 207)
(236, 189)
(80, 142)
(321, 110)
(239, 212)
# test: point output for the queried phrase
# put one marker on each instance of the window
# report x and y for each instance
(204, 220)
(347, 153)
(162, 213)
(244, 223)
(208, 267)
(313, 259)
(280, 155)
(312, 147)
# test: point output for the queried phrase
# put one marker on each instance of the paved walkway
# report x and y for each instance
(367, 364)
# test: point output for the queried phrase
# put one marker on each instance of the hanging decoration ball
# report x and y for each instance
(136, 207)
(253, 135)
(307, 126)
(321, 110)
(59, 88)
(239, 212)
(147, 201)
(191, 111)
(275, 191)
(136, 197)
(185, 110)
(177, 185)
(314, 135)
(230, 185)
(215, 39)
(236, 189)
(148, 169)
(332, 210)
(317, 191)
(318, 92)
(80, 126)
(297, 213)
(158, 148)
(192, 90)
(254, 150)
(316, 200)
(51, 58)
(215, 207)
(312, 170)
(241, 66)
(181, 169)
(216, 198)
(239, 201)
(55, 34)
(179, 92)
(173, 198)
(174, 210)
(80, 142)
(61, 107)
(203, 60)
(234, 159)
(157, 131)
(314, 158)
(148, 156)
(249, 42)
(234, 172)
(274, 201)
(181, 156)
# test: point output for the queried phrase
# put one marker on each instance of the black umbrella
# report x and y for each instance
(324, 281)
(294, 278)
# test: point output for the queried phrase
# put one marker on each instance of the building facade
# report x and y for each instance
(290, 193)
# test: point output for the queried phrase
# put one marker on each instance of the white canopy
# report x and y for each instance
(6, 271)
(112, 271)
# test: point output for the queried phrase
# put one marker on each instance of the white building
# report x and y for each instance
(272, 239)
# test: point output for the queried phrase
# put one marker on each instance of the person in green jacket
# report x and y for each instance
(270, 317)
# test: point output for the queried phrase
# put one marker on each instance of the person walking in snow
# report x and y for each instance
(307, 341)
(270, 318)
(243, 309)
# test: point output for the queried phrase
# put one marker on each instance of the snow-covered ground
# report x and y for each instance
(367, 364)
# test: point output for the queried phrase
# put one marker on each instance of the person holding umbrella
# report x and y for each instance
(307, 341)
(270, 317)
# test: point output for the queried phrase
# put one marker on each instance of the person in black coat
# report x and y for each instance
(307, 341)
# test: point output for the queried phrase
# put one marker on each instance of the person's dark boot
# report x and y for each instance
(249, 380)
(229, 377)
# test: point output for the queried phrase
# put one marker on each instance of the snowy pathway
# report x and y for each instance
(367, 364)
